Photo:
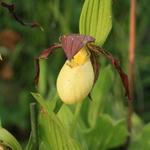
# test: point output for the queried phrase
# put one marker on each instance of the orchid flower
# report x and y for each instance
(80, 71)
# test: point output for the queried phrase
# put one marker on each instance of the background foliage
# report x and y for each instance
(19, 45)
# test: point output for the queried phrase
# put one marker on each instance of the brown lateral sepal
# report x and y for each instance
(72, 43)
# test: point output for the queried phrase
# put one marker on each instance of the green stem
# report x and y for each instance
(34, 129)
(75, 119)
(42, 77)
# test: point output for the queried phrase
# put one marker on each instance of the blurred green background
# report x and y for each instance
(20, 45)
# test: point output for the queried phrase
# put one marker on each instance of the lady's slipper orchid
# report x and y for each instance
(80, 71)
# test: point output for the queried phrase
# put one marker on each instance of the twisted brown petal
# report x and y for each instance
(95, 64)
(115, 63)
(44, 55)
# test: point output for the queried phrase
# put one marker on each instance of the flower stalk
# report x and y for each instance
(131, 60)
(34, 129)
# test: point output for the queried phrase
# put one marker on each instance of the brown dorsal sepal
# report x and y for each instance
(73, 43)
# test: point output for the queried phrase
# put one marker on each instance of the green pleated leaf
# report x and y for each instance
(40, 100)
(53, 134)
(8, 140)
(120, 134)
(99, 93)
(66, 116)
(141, 140)
(106, 133)
(96, 19)
(48, 105)
(73, 123)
